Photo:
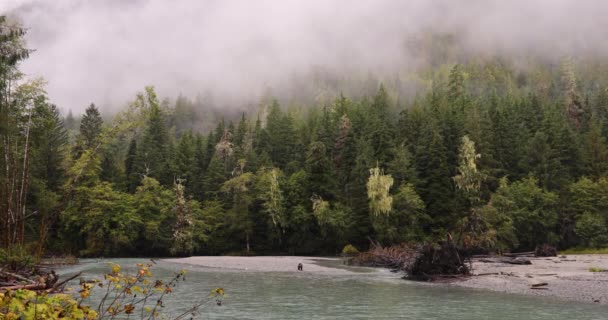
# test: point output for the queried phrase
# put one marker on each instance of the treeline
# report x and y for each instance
(496, 157)
(531, 172)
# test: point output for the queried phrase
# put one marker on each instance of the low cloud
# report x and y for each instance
(105, 51)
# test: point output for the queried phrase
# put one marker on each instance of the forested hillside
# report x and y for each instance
(497, 155)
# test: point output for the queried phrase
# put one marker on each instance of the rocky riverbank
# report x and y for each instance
(573, 277)
(566, 277)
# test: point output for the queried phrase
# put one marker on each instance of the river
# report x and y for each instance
(360, 294)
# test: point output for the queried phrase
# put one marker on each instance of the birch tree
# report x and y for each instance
(378, 192)
(469, 178)
(183, 240)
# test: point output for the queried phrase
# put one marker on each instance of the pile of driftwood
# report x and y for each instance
(34, 279)
(420, 262)
(397, 257)
(433, 262)
(439, 261)
(545, 250)
(521, 258)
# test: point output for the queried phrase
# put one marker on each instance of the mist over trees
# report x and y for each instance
(498, 154)
(231, 53)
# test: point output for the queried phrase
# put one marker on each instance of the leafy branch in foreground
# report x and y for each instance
(125, 294)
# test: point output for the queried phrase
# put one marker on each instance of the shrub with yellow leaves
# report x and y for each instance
(123, 294)
(26, 304)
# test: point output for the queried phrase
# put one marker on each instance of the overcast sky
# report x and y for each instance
(104, 51)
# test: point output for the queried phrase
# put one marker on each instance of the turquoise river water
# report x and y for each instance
(377, 294)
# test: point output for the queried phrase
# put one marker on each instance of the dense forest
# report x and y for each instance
(497, 155)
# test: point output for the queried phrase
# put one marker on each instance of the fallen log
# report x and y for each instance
(16, 276)
(33, 287)
(60, 284)
(537, 285)
(44, 283)
(520, 254)
(509, 260)
(545, 250)
(519, 261)
(438, 260)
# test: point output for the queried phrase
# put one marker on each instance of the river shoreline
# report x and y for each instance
(567, 277)
(263, 263)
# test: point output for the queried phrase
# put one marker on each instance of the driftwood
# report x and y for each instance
(9, 275)
(519, 254)
(542, 284)
(518, 261)
(435, 261)
(508, 260)
(429, 262)
(395, 257)
(33, 286)
(545, 250)
(47, 282)
(59, 285)
(483, 256)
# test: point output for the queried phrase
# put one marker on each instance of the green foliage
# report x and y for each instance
(152, 152)
(401, 168)
(130, 167)
(406, 221)
(238, 174)
(25, 304)
(191, 178)
(532, 210)
(183, 238)
(585, 251)
(153, 205)
(378, 188)
(469, 178)
(379, 127)
(592, 229)
(586, 211)
(268, 188)
(281, 136)
(90, 125)
(50, 146)
(431, 161)
(595, 151)
(104, 218)
(494, 228)
(335, 219)
(240, 190)
(17, 258)
(214, 178)
(154, 220)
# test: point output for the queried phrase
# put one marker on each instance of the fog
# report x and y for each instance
(104, 51)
